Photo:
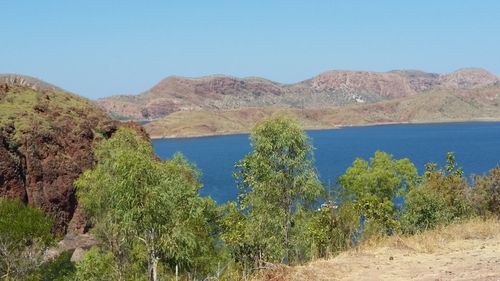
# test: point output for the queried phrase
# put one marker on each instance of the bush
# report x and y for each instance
(96, 265)
(424, 209)
(442, 197)
(57, 269)
(451, 185)
(486, 194)
(325, 232)
(24, 236)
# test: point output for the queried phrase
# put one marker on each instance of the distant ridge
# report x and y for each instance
(27, 81)
(328, 89)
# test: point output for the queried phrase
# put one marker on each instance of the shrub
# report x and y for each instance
(58, 269)
(443, 196)
(24, 236)
(451, 185)
(486, 193)
(329, 230)
(96, 265)
(424, 209)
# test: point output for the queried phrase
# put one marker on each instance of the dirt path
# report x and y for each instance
(442, 258)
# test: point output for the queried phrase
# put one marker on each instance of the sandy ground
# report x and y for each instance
(467, 260)
(468, 257)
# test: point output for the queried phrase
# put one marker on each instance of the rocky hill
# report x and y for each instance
(329, 89)
(47, 137)
(477, 104)
(27, 81)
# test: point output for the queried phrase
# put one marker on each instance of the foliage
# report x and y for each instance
(24, 235)
(133, 198)
(424, 209)
(451, 185)
(443, 196)
(58, 269)
(96, 265)
(374, 185)
(327, 230)
(276, 180)
(486, 193)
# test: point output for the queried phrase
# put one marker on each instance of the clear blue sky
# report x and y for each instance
(100, 48)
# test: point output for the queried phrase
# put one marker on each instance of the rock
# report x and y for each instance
(77, 243)
(77, 255)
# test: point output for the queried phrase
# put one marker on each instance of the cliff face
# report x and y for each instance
(333, 88)
(47, 138)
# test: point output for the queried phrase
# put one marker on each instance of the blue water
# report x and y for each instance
(476, 146)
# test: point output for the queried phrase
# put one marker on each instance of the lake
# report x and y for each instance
(476, 146)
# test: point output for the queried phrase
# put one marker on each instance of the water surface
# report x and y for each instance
(476, 146)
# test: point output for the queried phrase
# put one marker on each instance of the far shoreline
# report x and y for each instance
(187, 136)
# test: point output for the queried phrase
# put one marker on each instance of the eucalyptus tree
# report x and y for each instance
(138, 202)
(276, 179)
(374, 185)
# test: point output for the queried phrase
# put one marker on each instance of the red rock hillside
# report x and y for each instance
(47, 138)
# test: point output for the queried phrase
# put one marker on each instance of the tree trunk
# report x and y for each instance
(153, 265)
(152, 258)
(288, 226)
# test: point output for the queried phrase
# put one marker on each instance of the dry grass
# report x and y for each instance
(463, 251)
(437, 239)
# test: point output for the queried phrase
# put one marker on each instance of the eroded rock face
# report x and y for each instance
(47, 140)
(11, 172)
(332, 88)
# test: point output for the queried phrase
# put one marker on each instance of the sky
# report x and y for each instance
(100, 48)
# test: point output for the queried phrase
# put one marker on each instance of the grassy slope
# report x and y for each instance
(438, 106)
(24, 109)
(465, 251)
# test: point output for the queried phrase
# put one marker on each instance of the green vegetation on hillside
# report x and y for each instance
(24, 109)
(24, 236)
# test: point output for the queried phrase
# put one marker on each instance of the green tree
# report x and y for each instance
(24, 236)
(374, 185)
(276, 180)
(139, 202)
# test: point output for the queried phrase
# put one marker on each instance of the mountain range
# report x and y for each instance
(219, 104)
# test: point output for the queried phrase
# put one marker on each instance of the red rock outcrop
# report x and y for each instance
(46, 141)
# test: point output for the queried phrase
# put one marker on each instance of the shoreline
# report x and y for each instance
(189, 136)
